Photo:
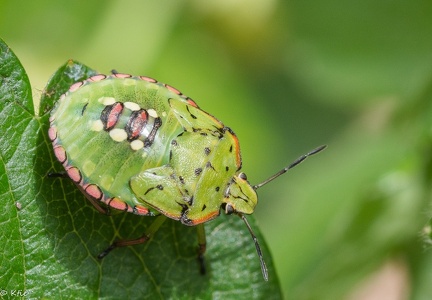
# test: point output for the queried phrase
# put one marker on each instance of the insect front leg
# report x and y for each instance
(141, 240)
(201, 247)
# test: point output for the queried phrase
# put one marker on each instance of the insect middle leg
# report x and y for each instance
(201, 247)
(144, 238)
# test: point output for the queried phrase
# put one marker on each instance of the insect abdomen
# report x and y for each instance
(112, 130)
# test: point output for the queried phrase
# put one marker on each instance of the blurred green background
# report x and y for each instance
(286, 76)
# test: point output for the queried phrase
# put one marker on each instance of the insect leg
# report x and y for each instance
(57, 175)
(201, 247)
(144, 238)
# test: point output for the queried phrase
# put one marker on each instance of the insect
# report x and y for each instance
(141, 146)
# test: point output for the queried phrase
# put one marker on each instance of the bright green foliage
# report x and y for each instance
(50, 235)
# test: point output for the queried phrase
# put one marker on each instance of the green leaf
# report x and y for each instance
(17, 137)
(51, 236)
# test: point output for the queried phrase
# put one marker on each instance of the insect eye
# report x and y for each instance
(242, 176)
(229, 209)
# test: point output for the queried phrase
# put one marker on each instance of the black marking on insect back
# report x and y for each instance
(111, 114)
(84, 108)
(190, 201)
(149, 190)
(184, 207)
(230, 149)
(181, 180)
(136, 123)
(203, 207)
(217, 189)
(170, 156)
(149, 140)
(209, 165)
(191, 114)
(198, 171)
(228, 129)
(207, 150)
(226, 168)
(174, 143)
(159, 187)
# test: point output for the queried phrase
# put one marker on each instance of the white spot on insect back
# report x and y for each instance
(118, 134)
(107, 100)
(96, 125)
(136, 145)
(164, 114)
(132, 106)
(152, 113)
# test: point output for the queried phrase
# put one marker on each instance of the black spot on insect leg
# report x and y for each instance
(217, 189)
(83, 109)
(198, 171)
(174, 143)
(170, 156)
(159, 187)
(207, 150)
(226, 168)
(181, 180)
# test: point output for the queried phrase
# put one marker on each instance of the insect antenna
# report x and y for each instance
(292, 165)
(258, 248)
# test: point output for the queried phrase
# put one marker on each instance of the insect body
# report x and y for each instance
(141, 146)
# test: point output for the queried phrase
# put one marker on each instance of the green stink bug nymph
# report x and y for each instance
(141, 146)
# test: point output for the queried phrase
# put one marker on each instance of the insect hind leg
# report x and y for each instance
(141, 240)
